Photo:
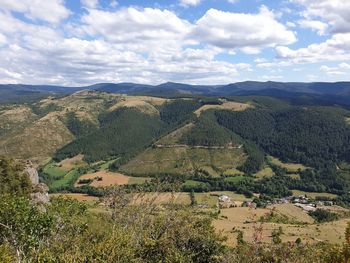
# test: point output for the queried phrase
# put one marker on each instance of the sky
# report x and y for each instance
(81, 42)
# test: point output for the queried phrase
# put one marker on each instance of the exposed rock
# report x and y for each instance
(40, 194)
(33, 175)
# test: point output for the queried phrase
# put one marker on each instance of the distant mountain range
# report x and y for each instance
(333, 93)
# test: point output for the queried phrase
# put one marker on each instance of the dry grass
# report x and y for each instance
(291, 167)
(108, 179)
(164, 198)
(78, 197)
(37, 140)
(143, 106)
(245, 219)
(265, 172)
(70, 163)
(143, 103)
(230, 105)
(347, 120)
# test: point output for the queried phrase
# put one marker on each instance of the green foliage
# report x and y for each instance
(79, 127)
(22, 225)
(178, 111)
(13, 179)
(322, 215)
(207, 132)
(122, 133)
(255, 160)
(41, 111)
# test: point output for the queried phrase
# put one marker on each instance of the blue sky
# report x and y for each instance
(79, 42)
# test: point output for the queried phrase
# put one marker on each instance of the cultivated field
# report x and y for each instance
(108, 179)
(246, 220)
(70, 163)
(78, 197)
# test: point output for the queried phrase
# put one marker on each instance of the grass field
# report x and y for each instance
(234, 179)
(67, 180)
(70, 163)
(265, 172)
(313, 194)
(78, 197)
(184, 161)
(110, 178)
(291, 167)
(54, 171)
(230, 105)
(245, 219)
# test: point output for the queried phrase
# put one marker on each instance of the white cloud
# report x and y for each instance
(250, 32)
(89, 3)
(145, 29)
(52, 11)
(337, 48)
(190, 2)
(314, 25)
(340, 69)
(335, 12)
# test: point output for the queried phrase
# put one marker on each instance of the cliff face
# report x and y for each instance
(40, 194)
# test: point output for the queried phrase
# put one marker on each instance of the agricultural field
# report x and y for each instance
(313, 194)
(183, 160)
(211, 198)
(245, 219)
(70, 163)
(106, 178)
(229, 105)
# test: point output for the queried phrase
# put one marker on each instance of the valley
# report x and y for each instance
(275, 162)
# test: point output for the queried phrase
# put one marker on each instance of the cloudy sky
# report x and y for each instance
(82, 42)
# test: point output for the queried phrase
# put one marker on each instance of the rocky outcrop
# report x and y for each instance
(40, 193)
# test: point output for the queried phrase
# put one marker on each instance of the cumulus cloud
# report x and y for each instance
(89, 3)
(335, 12)
(314, 25)
(340, 69)
(249, 32)
(40, 55)
(146, 28)
(190, 2)
(52, 11)
(337, 48)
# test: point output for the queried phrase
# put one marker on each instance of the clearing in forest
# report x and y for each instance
(229, 105)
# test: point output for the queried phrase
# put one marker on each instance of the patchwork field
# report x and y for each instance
(70, 163)
(183, 160)
(229, 105)
(246, 220)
